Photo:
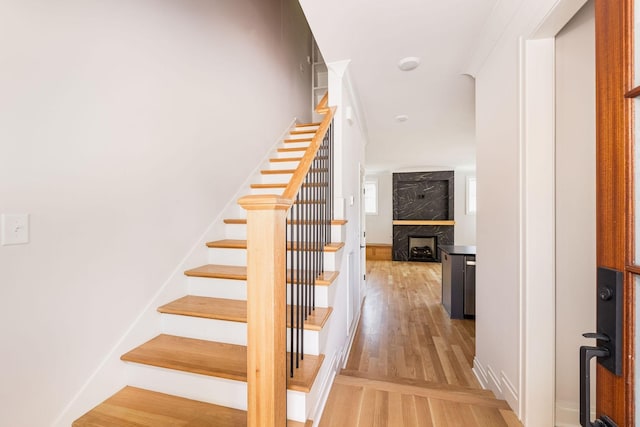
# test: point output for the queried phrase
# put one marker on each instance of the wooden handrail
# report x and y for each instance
(266, 290)
(322, 108)
(305, 164)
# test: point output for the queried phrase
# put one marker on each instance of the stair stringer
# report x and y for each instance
(111, 374)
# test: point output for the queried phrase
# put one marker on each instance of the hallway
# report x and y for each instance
(410, 365)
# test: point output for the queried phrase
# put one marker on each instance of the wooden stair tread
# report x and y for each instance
(296, 140)
(279, 185)
(208, 308)
(289, 171)
(291, 149)
(137, 407)
(435, 392)
(306, 125)
(242, 244)
(233, 311)
(301, 131)
(292, 159)
(415, 382)
(214, 359)
(277, 171)
(329, 247)
(240, 221)
(285, 159)
(228, 244)
(284, 185)
(214, 271)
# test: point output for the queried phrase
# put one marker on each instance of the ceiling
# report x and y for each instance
(437, 97)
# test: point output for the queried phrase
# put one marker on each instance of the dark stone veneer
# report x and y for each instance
(422, 196)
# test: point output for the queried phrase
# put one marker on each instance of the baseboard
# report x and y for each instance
(568, 414)
(347, 349)
(316, 414)
(480, 373)
(494, 382)
(510, 394)
(500, 385)
(338, 362)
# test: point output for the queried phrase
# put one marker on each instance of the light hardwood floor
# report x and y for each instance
(410, 365)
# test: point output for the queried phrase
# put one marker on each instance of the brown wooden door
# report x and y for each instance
(616, 200)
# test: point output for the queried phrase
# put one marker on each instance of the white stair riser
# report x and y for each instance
(300, 144)
(239, 232)
(218, 288)
(228, 332)
(238, 257)
(204, 329)
(324, 295)
(237, 289)
(284, 165)
(309, 133)
(279, 178)
(214, 390)
(276, 191)
(225, 256)
(289, 154)
(307, 128)
(338, 233)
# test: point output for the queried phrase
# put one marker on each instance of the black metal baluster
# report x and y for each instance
(295, 246)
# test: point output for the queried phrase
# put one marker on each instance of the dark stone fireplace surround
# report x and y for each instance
(422, 196)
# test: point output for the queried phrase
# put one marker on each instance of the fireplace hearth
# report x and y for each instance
(423, 248)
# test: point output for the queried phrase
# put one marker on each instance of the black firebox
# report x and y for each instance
(423, 248)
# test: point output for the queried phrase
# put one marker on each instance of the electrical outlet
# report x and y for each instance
(15, 229)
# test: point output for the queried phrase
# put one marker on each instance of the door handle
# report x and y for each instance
(586, 354)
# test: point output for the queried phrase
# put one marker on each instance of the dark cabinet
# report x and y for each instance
(459, 280)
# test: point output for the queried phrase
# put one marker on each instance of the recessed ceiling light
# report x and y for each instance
(409, 63)
(402, 118)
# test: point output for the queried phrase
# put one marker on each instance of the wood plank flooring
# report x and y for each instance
(410, 364)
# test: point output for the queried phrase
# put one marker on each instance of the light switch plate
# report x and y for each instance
(14, 229)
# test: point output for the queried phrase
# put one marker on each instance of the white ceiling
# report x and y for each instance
(437, 96)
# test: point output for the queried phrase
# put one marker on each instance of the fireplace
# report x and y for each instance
(423, 248)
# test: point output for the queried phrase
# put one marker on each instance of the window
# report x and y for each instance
(471, 195)
(371, 197)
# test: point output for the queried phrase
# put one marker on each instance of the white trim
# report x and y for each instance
(468, 210)
(494, 382)
(480, 373)
(567, 415)
(537, 314)
(510, 394)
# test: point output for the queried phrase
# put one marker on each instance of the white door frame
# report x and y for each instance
(536, 403)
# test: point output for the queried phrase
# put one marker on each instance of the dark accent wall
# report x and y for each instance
(422, 196)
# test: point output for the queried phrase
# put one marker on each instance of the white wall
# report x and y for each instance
(575, 205)
(380, 227)
(125, 128)
(508, 295)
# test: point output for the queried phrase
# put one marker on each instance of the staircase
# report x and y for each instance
(195, 372)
